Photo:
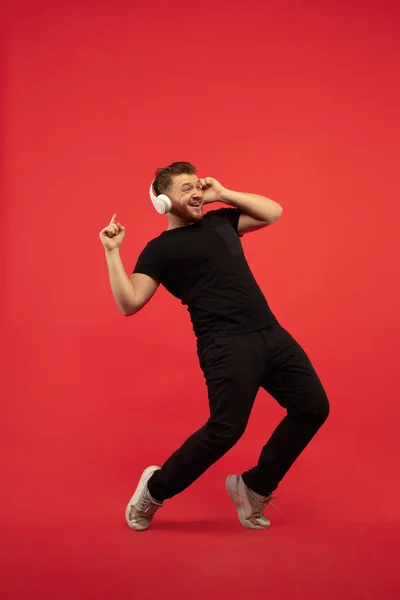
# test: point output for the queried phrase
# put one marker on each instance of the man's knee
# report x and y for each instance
(314, 412)
(319, 409)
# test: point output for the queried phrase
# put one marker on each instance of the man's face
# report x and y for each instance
(186, 196)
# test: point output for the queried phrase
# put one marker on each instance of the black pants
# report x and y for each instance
(235, 368)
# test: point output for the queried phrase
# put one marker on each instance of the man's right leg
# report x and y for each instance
(233, 369)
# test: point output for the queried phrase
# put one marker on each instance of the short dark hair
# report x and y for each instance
(164, 175)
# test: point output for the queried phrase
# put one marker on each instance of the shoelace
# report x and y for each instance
(146, 508)
(260, 503)
(269, 500)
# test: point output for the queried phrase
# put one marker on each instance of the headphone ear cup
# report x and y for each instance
(166, 202)
(161, 203)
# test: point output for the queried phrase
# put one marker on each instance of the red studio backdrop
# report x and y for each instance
(296, 100)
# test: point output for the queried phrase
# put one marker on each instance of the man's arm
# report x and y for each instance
(130, 294)
(258, 211)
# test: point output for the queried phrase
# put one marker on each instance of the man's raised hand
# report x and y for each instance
(112, 236)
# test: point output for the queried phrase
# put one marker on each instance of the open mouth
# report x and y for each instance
(195, 204)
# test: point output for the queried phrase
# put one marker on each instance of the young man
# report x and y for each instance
(241, 346)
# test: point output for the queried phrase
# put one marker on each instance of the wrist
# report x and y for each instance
(111, 252)
(226, 196)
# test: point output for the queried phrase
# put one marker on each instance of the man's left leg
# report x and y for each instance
(293, 382)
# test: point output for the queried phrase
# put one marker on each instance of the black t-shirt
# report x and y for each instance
(203, 265)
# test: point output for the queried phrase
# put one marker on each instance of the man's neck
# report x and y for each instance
(175, 222)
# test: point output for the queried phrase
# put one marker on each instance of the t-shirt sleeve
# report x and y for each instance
(230, 214)
(148, 264)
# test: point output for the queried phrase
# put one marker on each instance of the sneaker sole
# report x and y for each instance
(230, 487)
(147, 473)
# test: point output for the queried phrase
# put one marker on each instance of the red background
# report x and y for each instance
(295, 100)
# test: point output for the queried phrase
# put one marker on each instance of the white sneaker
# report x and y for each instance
(250, 506)
(142, 507)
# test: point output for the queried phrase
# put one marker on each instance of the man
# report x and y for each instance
(241, 346)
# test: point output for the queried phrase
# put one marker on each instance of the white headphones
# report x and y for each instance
(161, 203)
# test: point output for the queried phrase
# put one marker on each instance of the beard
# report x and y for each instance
(188, 214)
